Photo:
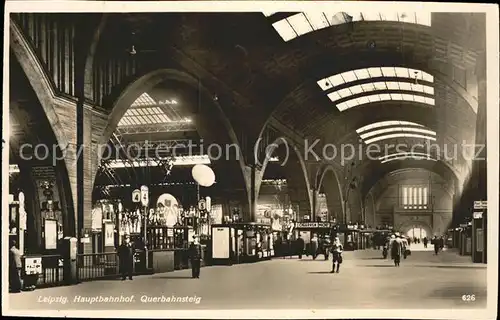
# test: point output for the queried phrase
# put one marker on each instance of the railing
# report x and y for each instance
(52, 271)
(97, 266)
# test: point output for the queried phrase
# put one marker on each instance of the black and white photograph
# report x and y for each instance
(250, 159)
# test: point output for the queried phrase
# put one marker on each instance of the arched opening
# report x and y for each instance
(159, 129)
(328, 184)
(416, 231)
(37, 171)
(283, 195)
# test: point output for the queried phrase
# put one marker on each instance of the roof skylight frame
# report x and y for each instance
(410, 154)
(397, 129)
(413, 75)
(318, 21)
(354, 102)
(399, 135)
(388, 123)
(380, 86)
(406, 158)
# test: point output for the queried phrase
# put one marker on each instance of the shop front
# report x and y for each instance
(241, 242)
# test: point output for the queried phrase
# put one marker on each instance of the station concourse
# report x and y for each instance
(249, 130)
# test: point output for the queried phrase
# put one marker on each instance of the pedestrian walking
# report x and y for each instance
(396, 250)
(314, 245)
(195, 257)
(437, 245)
(337, 249)
(299, 246)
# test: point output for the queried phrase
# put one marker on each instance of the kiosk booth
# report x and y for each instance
(465, 239)
(479, 230)
(308, 229)
(241, 242)
(366, 238)
(349, 235)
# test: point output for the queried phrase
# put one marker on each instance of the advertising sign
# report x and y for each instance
(33, 265)
(220, 240)
(109, 235)
(481, 205)
(97, 217)
(144, 196)
(136, 196)
(202, 205)
(50, 234)
(168, 209)
(313, 225)
(208, 203)
(479, 240)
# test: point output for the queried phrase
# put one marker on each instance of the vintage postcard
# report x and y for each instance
(250, 159)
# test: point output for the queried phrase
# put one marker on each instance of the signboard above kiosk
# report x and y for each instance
(480, 205)
(312, 225)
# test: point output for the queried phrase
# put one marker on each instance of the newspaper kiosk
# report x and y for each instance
(241, 242)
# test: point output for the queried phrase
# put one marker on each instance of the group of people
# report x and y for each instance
(127, 249)
(398, 246)
(323, 246)
(438, 243)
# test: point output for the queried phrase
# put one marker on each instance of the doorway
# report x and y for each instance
(416, 232)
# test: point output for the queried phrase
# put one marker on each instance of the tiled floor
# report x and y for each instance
(365, 281)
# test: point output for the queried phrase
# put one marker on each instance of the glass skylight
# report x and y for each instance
(415, 155)
(144, 100)
(379, 86)
(382, 124)
(384, 97)
(414, 75)
(178, 161)
(416, 91)
(396, 129)
(146, 111)
(409, 156)
(399, 135)
(306, 22)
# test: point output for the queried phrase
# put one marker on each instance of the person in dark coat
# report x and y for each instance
(15, 266)
(195, 257)
(441, 243)
(314, 246)
(397, 250)
(126, 256)
(425, 242)
(299, 243)
(437, 245)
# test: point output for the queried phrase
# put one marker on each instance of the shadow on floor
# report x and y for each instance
(178, 277)
(452, 267)
(373, 258)
(378, 265)
(311, 260)
(320, 272)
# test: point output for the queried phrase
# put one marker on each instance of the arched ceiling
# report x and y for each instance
(374, 171)
(28, 122)
(268, 76)
(402, 175)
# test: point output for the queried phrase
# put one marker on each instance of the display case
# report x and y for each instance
(241, 243)
(349, 235)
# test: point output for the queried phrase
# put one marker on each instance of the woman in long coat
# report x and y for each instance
(396, 251)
